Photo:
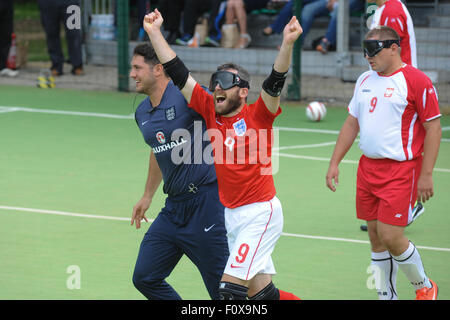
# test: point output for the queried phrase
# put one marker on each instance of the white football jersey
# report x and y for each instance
(391, 111)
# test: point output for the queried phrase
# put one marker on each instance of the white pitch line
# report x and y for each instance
(65, 112)
(5, 109)
(8, 109)
(327, 238)
(63, 213)
(84, 215)
(307, 130)
(354, 241)
(131, 116)
(295, 156)
(303, 146)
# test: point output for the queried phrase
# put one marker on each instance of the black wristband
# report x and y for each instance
(274, 83)
(177, 71)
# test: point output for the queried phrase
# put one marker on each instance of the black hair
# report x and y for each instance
(146, 51)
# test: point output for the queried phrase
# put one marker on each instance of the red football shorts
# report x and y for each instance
(386, 190)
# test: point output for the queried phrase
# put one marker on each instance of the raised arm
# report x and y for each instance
(172, 64)
(273, 85)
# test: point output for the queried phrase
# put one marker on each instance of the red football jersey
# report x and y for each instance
(242, 148)
(394, 14)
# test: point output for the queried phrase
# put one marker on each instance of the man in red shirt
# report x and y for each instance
(394, 14)
(241, 136)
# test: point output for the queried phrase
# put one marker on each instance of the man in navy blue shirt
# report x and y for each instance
(192, 220)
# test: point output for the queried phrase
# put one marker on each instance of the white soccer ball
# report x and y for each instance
(316, 111)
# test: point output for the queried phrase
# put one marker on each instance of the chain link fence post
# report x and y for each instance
(294, 89)
(122, 44)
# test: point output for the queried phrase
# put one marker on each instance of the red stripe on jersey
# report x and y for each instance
(407, 134)
(420, 92)
(394, 16)
(364, 80)
(259, 242)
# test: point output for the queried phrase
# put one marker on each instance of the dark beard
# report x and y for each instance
(233, 104)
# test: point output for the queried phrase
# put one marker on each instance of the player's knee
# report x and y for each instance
(270, 292)
(143, 281)
(138, 280)
(375, 240)
(234, 3)
(390, 242)
(232, 291)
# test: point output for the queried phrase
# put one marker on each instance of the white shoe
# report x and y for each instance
(417, 211)
(9, 73)
(244, 41)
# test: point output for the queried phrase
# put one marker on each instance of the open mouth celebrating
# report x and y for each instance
(220, 98)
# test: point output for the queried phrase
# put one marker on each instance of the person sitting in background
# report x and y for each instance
(193, 10)
(237, 10)
(329, 40)
(172, 10)
(286, 14)
(282, 18)
(216, 16)
(143, 7)
(311, 10)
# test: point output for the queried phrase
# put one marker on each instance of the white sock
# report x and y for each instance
(386, 286)
(229, 26)
(411, 264)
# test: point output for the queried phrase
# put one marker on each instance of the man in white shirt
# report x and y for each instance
(395, 110)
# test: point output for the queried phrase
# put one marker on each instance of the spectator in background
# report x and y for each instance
(216, 16)
(6, 29)
(53, 12)
(394, 14)
(329, 40)
(171, 9)
(283, 17)
(143, 7)
(311, 10)
(237, 10)
(193, 10)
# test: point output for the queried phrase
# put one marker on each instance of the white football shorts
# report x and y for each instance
(252, 232)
